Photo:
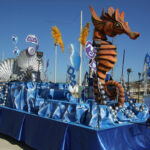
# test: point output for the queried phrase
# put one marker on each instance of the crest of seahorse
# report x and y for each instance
(111, 23)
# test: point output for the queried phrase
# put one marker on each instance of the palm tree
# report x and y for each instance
(139, 74)
(129, 70)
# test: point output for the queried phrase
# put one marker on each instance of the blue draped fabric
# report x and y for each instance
(56, 102)
(28, 95)
(48, 134)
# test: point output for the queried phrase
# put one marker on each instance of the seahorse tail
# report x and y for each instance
(111, 94)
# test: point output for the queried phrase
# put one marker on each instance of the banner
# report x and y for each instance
(148, 72)
(147, 59)
(72, 76)
(47, 63)
(32, 39)
(90, 50)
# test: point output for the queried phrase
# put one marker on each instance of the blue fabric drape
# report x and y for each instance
(48, 134)
(56, 102)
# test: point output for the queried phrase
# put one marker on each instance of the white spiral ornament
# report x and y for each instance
(31, 51)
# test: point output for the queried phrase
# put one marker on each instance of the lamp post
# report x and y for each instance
(55, 62)
(57, 41)
(129, 70)
(139, 74)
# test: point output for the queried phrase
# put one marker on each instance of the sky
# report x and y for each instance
(23, 17)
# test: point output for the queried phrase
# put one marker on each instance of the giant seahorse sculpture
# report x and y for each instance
(109, 24)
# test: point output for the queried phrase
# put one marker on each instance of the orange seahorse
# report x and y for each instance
(109, 24)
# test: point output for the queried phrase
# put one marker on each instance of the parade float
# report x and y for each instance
(46, 116)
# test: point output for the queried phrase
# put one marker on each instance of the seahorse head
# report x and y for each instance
(112, 23)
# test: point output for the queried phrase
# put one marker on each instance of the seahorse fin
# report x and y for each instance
(94, 15)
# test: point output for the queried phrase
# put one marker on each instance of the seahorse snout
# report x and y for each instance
(134, 35)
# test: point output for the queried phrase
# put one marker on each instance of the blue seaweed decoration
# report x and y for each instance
(74, 58)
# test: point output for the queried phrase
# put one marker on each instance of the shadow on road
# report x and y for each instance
(12, 141)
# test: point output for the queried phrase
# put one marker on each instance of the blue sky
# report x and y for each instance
(23, 17)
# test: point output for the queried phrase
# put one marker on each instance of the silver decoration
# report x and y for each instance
(140, 109)
(115, 118)
(136, 108)
(24, 61)
(34, 77)
(6, 69)
(133, 113)
(126, 112)
(115, 111)
(102, 92)
(99, 82)
(21, 68)
(100, 87)
(116, 108)
(110, 108)
(6, 91)
(104, 102)
(133, 116)
(129, 115)
(120, 106)
(103, 97)
(123, 109)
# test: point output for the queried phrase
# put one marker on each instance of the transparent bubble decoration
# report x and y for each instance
(14, 39)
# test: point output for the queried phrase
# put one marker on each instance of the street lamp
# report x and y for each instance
(129, 70)
(139, 74)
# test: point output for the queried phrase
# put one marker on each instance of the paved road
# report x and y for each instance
(8, 143)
